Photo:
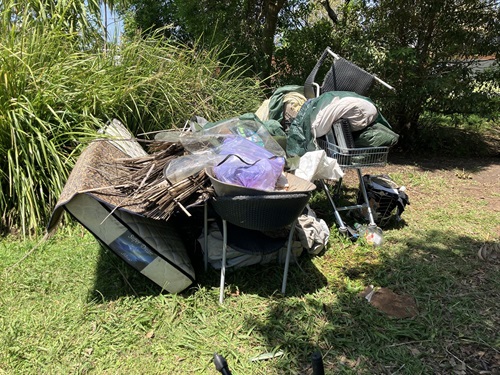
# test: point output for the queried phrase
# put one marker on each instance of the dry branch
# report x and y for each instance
(142, 181)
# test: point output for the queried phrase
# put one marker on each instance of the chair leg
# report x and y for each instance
(287, 260)
(365, 197)
(223, 264)
(205, 229)
(338, 218)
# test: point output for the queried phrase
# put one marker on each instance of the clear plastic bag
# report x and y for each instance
(248, 165)
(188, 165)
(248, 140)
(246, 128)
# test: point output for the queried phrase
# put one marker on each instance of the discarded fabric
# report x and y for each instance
(316, 165)
(248, 165)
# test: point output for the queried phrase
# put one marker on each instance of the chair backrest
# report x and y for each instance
(309, 84)
(261, 212)
(346, 76)
(342, 76)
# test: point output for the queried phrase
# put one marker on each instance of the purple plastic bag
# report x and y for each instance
(236, 169)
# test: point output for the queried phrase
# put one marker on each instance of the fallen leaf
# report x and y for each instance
(415, 352)
(395, 305)
(489, 252)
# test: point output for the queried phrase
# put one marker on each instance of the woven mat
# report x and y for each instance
(94, 174)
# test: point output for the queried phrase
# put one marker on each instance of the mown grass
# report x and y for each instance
(72, 307)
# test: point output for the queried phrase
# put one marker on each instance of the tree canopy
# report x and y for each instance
(427, 49)
(424, 48)
(247, 27)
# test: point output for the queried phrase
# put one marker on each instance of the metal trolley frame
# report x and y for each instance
(346, 76)
(352, 158)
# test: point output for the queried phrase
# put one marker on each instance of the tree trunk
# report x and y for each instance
(271, 10)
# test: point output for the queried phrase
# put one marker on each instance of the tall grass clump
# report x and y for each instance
(58, 85)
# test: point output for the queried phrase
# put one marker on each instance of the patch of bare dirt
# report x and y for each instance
(472, 178)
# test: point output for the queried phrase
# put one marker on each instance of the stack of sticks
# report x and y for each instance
(142, 181)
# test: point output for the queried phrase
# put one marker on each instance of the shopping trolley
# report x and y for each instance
(338, 143)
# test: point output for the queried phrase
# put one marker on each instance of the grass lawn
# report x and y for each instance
(71, 307)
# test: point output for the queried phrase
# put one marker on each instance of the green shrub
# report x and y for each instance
(454, 135)
(57, 88)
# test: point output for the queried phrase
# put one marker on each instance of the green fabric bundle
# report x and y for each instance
(375, 135)
(301, 140)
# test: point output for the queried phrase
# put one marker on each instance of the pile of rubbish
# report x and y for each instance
(130, 198)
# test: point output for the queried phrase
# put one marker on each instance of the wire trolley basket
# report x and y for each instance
(353, 157)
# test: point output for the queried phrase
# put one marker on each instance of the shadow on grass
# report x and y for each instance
(266, 280)
(437, 140)
(114, 278)
(457, 297)
(430, 163)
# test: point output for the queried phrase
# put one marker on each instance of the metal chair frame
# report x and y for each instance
(346, 76)
(312, 89)
(256, 212)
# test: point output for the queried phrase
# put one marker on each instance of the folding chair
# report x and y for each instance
(343, 75)
(257, 213)
(247, 212)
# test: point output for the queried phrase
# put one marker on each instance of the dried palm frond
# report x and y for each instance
(142, 181)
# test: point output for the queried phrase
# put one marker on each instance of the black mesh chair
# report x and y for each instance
(257, 213)
(342, 76)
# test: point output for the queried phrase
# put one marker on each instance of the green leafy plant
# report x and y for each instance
(58, 87)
